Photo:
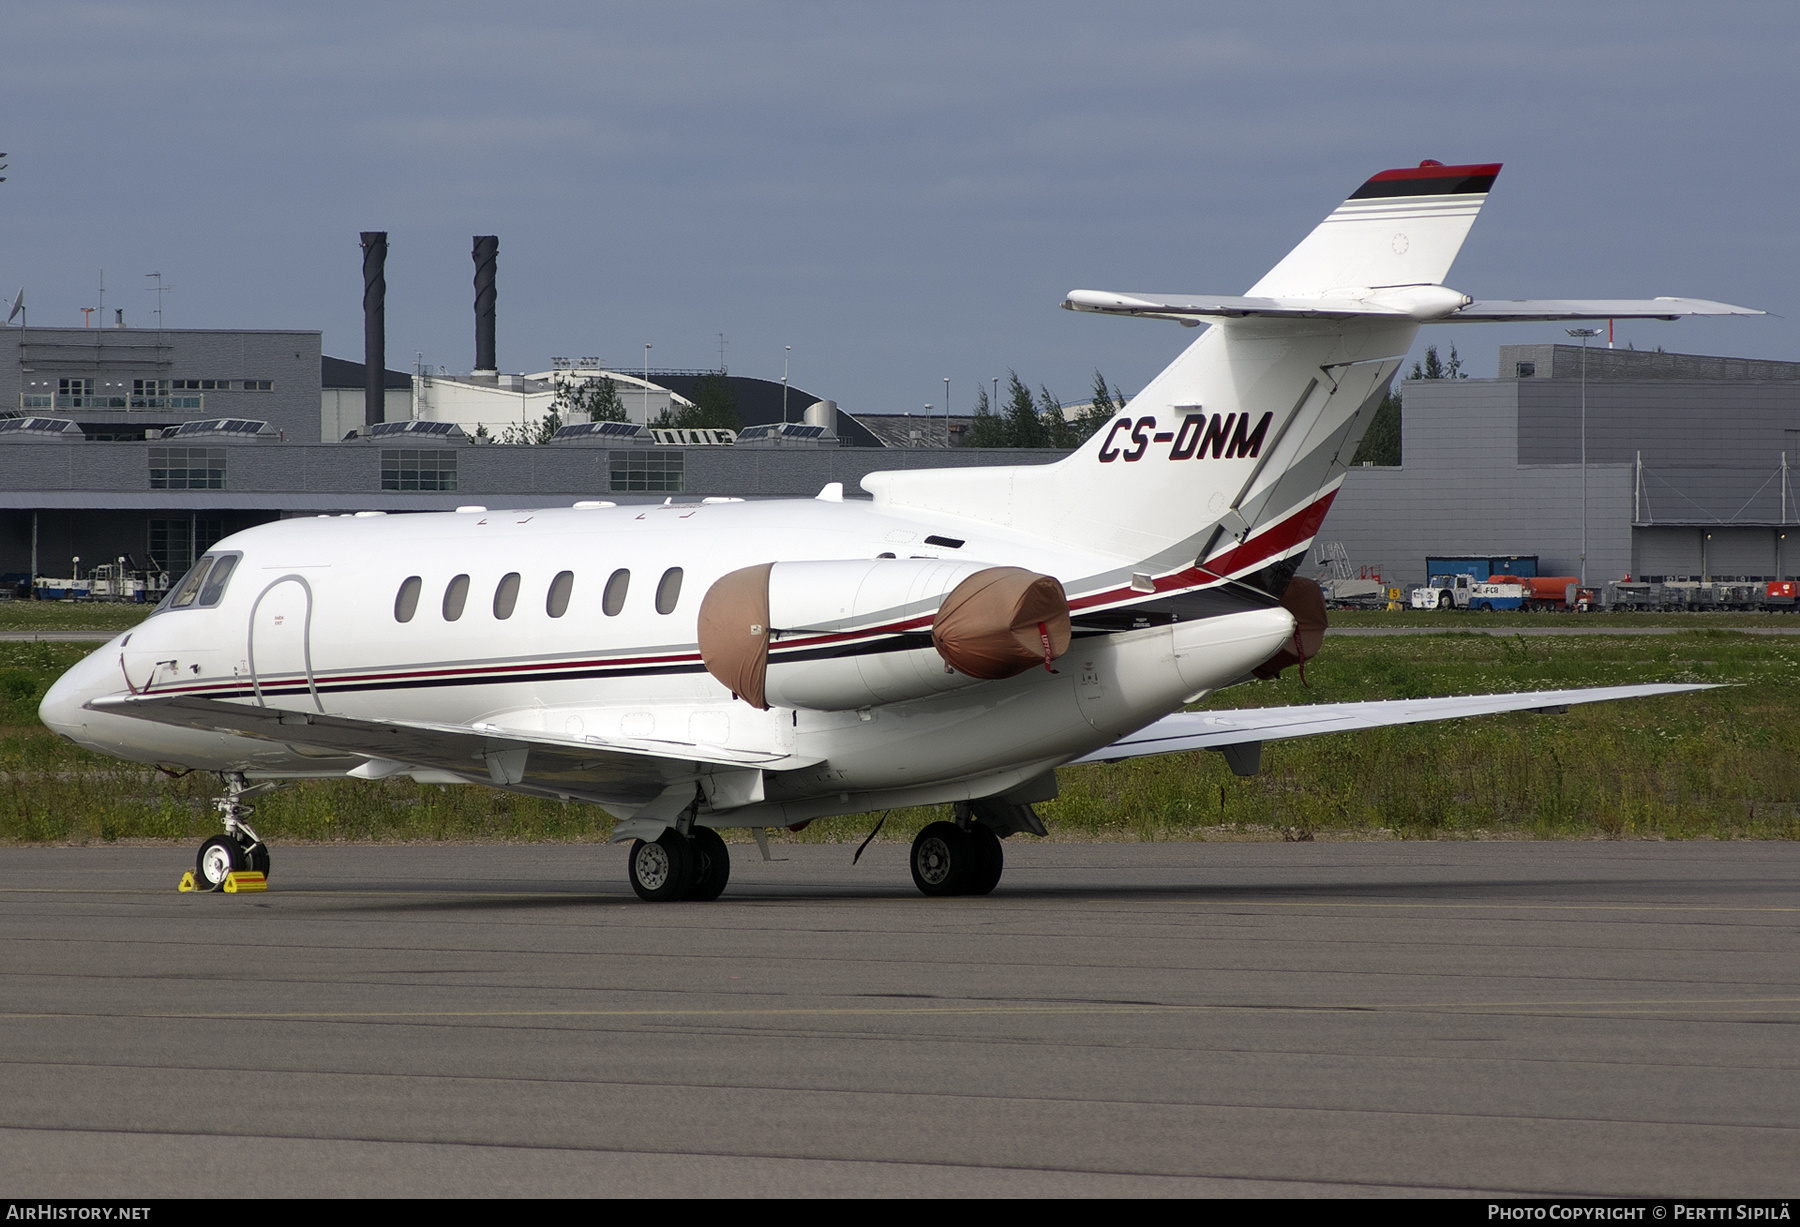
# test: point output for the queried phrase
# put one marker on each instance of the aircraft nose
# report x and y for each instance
(62, 708)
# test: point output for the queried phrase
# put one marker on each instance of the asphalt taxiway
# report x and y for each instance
(1148, 1019)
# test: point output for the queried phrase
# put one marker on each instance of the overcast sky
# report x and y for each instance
(899, 192)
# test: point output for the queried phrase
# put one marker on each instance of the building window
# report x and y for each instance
(82, 393)
(177, 541)
(407, 468)
(150, 394)
(187, 468)
(660, 472)
(255, 385)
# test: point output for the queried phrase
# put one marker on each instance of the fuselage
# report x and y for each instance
(581, 623)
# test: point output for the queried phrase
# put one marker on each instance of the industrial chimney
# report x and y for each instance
(374, 245)
(487, 252)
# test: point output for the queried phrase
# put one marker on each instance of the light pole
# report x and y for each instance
(647, 385)
(785, 357)
(946, 411)
(926, 437)
(1584, 334)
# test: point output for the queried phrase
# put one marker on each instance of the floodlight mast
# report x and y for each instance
(1584, 334)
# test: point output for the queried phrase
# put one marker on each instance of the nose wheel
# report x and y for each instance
(239, 848)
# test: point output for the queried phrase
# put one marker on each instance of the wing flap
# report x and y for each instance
(1215, 730)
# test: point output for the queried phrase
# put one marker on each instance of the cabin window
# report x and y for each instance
(668, 591)
(556, 604)
(456, 595)
(506, 595)
(614, 600)
(214, 591)
(406, 602)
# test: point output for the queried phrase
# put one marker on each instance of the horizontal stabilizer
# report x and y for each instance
(1526, 310)
(1206, 730)
(1425, 304)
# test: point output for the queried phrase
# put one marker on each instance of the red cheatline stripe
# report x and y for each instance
(1437, 172)
(1301, 526)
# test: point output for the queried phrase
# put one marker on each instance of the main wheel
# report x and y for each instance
(990, 860)
(943, 859)
(663, 872)
(219, 856)
(712, 866)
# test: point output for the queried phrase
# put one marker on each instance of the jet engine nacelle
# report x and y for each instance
(838, 636)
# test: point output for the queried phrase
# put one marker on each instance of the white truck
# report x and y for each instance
(1464, 591)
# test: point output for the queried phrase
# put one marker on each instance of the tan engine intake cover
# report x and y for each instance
(734, 632)
(1000, 622)
(1306, 602)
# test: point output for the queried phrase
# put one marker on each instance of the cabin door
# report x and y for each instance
(280, 645)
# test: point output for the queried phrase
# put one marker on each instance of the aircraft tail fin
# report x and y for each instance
(1401, 227)
(1229, 459)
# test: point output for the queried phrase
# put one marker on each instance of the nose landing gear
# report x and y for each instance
(240, 848)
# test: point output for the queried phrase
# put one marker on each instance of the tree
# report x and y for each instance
(1434, 369)
(985, 430)
(1102, 408)
(1024, 428)
(1059, 431)
(1381, 443)
(597, 398)
(714, 406)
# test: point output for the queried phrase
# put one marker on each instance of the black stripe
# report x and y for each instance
(1450, 185)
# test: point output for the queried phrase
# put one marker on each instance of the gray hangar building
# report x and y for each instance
(1686, 475)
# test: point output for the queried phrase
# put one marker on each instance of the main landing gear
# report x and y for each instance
(240, 848)
(694, 866)
(957, 858)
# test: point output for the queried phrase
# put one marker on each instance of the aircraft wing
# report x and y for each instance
(1526, 310)
(609, 771)
(1248, 728)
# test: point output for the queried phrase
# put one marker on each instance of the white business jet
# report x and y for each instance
(953, 640)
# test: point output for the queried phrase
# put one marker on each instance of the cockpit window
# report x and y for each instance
(188, 591)
(202, 587)
(214, 590)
